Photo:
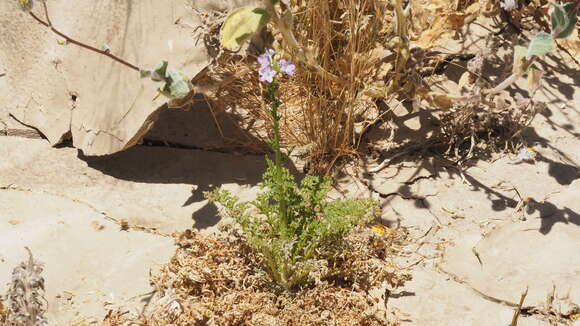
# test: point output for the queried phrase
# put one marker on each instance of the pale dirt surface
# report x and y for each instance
(67, 91)
(60, 204)
(69, 208)
(64, 208)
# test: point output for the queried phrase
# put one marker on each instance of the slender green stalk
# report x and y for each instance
(276, 146)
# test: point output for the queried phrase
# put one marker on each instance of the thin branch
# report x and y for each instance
(575, 9)
(48, 24)
(46, 12)
(38, 19)
(519, 309)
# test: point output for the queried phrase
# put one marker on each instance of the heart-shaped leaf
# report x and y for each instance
(241, 24)
(25, 5)
(541, 45)
(559, 17)
(177, 85)
(160, 72)
(563, 21)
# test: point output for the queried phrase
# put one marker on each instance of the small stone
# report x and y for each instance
(97, 225)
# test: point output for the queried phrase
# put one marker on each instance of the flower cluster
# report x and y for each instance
(509, 5)
(270, 66)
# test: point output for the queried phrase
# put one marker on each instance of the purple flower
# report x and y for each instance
(267, 74)
(266, 58)
(269, 67)
(267, 71)
(287, 67)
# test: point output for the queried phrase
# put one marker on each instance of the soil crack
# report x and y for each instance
(123, 224)
(547, 312)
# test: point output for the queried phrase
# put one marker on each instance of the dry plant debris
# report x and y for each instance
(218, 280)
(25, 300)
(386, 54)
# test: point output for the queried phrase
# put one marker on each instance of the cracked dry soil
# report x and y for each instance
(474, 243)
(478, 236)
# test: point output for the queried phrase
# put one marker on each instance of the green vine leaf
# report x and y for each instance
(25, 5)
(241, 24)
(541, 45)
(563, 22)
(177, 85)
(160, 72)
(558, 17)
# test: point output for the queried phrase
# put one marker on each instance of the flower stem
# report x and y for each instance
(275, 104)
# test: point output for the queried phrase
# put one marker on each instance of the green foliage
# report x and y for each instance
(540, 45)
(296, 238)
(563, 20)
(25, 5)
(177, 84)
(294, 227)
(241, 24)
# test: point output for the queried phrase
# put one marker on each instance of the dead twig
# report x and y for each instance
(519, 309)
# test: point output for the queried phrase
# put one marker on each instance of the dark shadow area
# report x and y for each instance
(205, 126)
(563, 172)
(201, 169)
(550, 214)
(186, 147)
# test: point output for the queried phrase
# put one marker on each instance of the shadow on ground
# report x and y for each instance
(186, 147)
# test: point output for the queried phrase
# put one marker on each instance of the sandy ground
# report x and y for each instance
(70, 210)
(100, 224)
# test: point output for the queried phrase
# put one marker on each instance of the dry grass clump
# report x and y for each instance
(218, 280)
(477, 128)
(325, 117)
(346, 37)
(377, 62)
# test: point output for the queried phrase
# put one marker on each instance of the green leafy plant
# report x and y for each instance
(564, 18)
(177, 85)
(292, 225)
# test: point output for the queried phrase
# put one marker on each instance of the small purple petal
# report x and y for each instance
(270, 53)
(267, 74)
(287, 67)
(264, 61)
(266, 57)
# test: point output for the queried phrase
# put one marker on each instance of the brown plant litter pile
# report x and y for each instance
(218, 280)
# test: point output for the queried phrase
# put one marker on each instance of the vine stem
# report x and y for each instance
(49, 25)
(574, 9)
(501, 86)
